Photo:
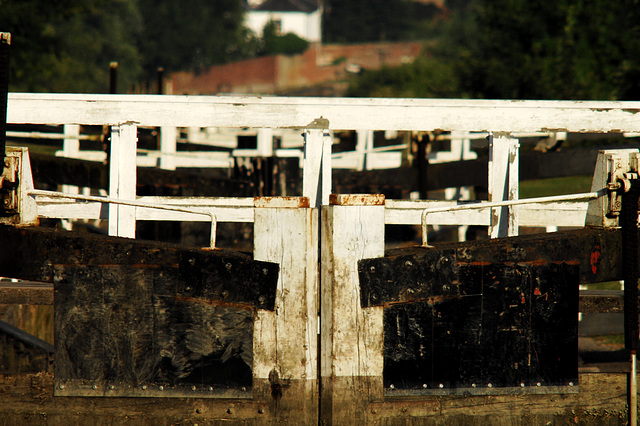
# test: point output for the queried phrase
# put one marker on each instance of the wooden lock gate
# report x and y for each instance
(370, 363)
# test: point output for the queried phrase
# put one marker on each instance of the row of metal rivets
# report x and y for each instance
(144, 387)
(473, 385)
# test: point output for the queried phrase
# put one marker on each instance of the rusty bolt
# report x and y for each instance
(225, 294)
(374, 411)
(229, 411)
(260, 410)
(228, 266)
(198, 411)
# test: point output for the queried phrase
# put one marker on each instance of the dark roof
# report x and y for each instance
(306, 6)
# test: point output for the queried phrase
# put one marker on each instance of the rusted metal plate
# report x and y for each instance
(487, 326)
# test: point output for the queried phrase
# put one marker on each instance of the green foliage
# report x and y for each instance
(424, 78)
(191, 34)
(66, 46)
(349, 21)
(286, 44)
(523, 49)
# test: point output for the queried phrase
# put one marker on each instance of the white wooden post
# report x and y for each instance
(168, 147)
(364, 147)
(265, 142)
(316, 181)
(122, 179)
(71, 149)
(286, 341)
(351, 337)
(503, 184)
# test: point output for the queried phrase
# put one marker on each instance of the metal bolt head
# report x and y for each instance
(228, 266)
(538, 384)
(521, 385)
(210, 388)
(441, 386)
(94, 387)
(61, 386)
(161, 387)
(408, 263)
(489, 385)
(473, 385)
(372, 269)
(570, 383)
(225, 294)
(193, 388)
(424, 386)
(111, 387)
(265, 271)
(144, 387)
(392, 386)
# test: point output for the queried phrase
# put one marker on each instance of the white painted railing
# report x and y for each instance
(319, 116)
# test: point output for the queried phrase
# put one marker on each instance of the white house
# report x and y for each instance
(301, 17)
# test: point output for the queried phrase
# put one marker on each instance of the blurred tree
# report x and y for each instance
(67, 45)
(523, 49)
(286, 44)
(349, 21)
(193, 34)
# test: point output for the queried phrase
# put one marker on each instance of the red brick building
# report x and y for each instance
(318, 67)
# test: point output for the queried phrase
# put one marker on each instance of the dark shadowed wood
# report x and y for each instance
(401, 274)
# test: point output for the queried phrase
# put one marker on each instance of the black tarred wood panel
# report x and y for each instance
(518, 327)
(491, 315)
(140, 318)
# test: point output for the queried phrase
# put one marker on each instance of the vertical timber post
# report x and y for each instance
(285, 340)
(122, 179)
(316, 181)
(503, 184)
(5, 48)
(351, 337)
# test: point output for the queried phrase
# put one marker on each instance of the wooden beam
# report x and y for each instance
(47, 255)
(26, 293)
(342, 113)
(401, 275)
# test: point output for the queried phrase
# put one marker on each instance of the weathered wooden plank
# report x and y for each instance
(28, 398)
(400, 275)
(122, 183)
(52, 252)
(351, 337)
(286, 340)
(342, 113)
(26, 293)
